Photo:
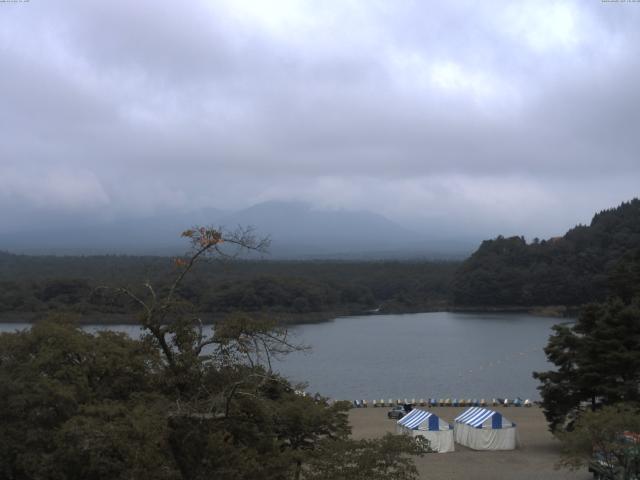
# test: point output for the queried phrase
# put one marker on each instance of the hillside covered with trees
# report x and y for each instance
(31, 286)
(587, 264)
(591, 395)
(583, 266)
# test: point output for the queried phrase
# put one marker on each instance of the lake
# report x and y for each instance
(436, 354)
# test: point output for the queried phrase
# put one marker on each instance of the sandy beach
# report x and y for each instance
(534, 459)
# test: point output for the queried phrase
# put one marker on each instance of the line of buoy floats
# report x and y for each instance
(446, 402)
(442, 402)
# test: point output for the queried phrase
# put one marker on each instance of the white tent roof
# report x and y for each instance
(421, 423)
(476, 416)
(417, 417)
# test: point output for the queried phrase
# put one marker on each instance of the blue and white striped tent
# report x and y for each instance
(483, 429)
(426, 424)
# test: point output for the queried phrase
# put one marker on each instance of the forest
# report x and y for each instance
(580, 267)
(176, 403)
(589, 263)
(305, 291)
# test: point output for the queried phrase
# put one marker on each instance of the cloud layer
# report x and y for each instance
(493, 117)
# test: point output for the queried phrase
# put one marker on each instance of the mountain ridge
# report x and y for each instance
(297, 230)
(577, 268)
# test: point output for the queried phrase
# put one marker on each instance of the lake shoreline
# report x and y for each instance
(449, 355)
(555, 311)
(290, 318)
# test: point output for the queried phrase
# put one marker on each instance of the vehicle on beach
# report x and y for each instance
(399, 411)
(396, 412)
(610, 467)
(601, 471)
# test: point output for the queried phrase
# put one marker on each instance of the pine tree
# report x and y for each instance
(598, 361)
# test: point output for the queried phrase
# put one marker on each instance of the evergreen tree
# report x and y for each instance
(597, 360)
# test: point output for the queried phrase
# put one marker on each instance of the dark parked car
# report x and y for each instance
(399, 411)
(605, 468)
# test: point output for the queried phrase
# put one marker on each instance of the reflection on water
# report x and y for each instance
(425, 355)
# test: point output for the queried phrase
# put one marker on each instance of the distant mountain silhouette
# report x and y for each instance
(153, 235)
(297, 230)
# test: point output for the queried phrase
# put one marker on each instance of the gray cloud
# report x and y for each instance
(493, 117)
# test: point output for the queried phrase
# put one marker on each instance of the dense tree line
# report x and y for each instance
(40, 284)
(591, 398)
(176, 403)
(571, 270)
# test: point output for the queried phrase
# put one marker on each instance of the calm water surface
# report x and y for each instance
(435, 354)
(423, 355)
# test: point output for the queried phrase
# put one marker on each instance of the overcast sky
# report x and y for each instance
(500, 116)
